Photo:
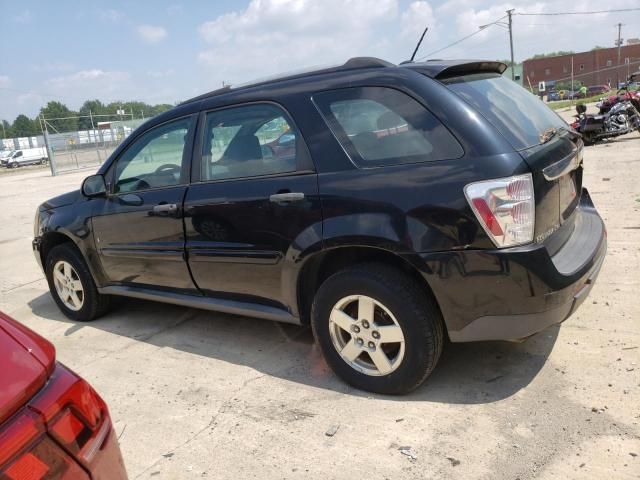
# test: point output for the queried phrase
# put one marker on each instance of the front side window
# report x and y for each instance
(154, 160)
(248, 141)
(381, 126)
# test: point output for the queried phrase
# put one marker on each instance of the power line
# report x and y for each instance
(459, 40)
(550, 14)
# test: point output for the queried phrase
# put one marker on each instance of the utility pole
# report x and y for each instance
(572, 89)
(619, 44)
(513, 73)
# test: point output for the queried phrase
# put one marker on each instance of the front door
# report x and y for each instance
(256, 203)
(138, 229)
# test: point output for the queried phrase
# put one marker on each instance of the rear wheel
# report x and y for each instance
(72, 285)
(43, 161)
(377, 329)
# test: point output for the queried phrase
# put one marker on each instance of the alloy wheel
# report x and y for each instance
(366, 335)
(68, 285)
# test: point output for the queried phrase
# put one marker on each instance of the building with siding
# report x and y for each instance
(596, 67)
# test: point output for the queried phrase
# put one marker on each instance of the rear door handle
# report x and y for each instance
(286, 197)
(165, 210)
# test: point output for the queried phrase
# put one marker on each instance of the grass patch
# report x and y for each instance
(568, 103)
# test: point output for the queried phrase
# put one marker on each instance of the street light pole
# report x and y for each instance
(513, 73)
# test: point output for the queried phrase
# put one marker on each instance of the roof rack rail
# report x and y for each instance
(364, 62)
(351, 64)
(212, 93)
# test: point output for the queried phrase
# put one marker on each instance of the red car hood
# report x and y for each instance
(26, 361)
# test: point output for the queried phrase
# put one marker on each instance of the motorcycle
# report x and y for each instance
(623, 117)
(622, 95)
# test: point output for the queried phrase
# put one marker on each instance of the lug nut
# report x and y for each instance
(372, 345)
(360, 341)
(355, 328)
(365, 324)
(375, 335)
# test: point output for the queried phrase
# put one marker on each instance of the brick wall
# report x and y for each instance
(585, 66)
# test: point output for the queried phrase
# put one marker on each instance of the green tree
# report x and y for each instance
(89, 108)
(23, 126)
(6, 131)
(559, 53)
(58, 110)
(161, 107)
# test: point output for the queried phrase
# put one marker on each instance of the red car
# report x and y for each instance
(53, 425)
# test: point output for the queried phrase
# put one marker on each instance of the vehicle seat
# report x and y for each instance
(243, 156)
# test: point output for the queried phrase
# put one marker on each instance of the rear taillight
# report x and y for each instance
(56, 434)
(505, 207)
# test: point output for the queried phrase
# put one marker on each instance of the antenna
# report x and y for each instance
(418, 45)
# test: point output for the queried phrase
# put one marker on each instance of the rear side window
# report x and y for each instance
(517, 114)
(380, 126)
(248, 141)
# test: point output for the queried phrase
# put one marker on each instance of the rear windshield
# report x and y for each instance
(519, 115)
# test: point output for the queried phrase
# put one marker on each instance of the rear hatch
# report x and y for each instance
(547, 144)
(27, 361)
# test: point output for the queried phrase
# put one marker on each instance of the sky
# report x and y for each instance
(165, 51)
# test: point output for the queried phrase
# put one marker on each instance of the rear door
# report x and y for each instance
(252, 200)
(138, 227)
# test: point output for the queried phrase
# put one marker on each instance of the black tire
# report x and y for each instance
(414, 308)
(14, 164)
(94, 305)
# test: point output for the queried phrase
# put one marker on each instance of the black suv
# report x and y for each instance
(387, 206)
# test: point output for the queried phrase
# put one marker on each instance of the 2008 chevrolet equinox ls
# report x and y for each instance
(384, 205)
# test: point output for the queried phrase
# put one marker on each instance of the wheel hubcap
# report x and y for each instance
(366, 335)
(68, 285)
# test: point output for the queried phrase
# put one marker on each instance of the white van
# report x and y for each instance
(25, 156)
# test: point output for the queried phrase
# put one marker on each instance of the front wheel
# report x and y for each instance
(14, 164)
(377, 328)
(72, 285)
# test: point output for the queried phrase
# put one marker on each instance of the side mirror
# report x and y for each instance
(94, 186)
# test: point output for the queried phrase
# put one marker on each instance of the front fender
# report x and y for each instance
(74, 222)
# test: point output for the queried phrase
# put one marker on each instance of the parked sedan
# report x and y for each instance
(53, 425)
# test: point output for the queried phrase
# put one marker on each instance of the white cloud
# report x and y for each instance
(151, 34)
(23, 17)
(5, 81)
(111, 15)
(86, 84)
(418, 16)
(161, 73)
(175, 9)
(532, 34)
(271, 36)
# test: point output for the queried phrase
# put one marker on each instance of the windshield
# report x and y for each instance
(520, 116)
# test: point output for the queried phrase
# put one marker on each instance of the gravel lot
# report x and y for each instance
(195, 394)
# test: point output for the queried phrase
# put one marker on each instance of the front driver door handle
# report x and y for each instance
(286, 197)
(165, 210)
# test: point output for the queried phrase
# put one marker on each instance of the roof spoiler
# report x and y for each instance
(472, 67)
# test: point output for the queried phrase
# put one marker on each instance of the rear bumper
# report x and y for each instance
(513, 293)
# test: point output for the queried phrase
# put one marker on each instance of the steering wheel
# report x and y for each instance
(168, 168)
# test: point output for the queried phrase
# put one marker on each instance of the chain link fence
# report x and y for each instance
(68, 151)
(85, 148)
